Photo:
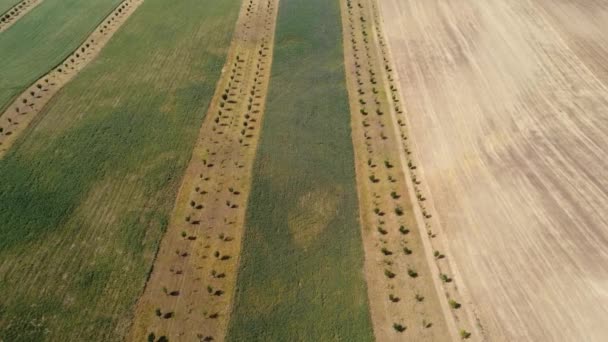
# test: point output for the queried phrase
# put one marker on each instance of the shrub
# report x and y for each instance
(445, 278)
(389, 274)
(385, 251)
(464, 334)
(382, 231)
(454, 304)
(418, 297)
(394, 195)
(399, 211)
(398, 327)
(184, 234)
(158, 312)
(407, 251)
(412, 273)
(151, 337)
(393, 298)
(403, 230)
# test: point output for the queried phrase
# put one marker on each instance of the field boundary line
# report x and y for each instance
(25, 108)
(13, 14)
(425, 220)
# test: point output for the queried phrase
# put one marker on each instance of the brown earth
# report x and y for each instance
(26, 106)
(11, 16)
(403, 263)
(190, 292)
(508, 107)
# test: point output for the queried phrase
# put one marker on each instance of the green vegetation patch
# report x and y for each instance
(301, 274)
(87, 191)
(5, 5)
(43, 38)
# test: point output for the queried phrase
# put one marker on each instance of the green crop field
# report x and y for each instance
(301, 274)
(43, 38)
(5, 5)
(87, 191)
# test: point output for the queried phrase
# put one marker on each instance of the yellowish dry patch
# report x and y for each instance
(312, 215)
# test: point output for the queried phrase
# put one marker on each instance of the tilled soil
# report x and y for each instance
(508, 103)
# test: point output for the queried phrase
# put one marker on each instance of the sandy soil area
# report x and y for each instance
(508, 105)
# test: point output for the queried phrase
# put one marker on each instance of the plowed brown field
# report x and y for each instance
(508, 106)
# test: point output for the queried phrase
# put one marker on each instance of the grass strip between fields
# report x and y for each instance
(87, 191)
(301, 266)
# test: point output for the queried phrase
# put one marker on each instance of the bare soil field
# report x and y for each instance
(189, 294)
(17, 117)
(507, 103)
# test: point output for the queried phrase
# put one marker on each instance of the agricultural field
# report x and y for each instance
(507, 102)
(11, 12)
(37, 42)
(303, 170)
(301, 269)
(5, 5)
(408, 275)
(87, 191)
(189, 293)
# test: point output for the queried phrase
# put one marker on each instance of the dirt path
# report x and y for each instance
(404, 261)
(190, 292)
(8, 18)
(507, 103)
(25, 108)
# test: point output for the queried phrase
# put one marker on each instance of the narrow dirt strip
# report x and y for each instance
(455, 300)
(412, 282)
(189, 295)
(18, 116)
(8, 18)
(404, 302)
